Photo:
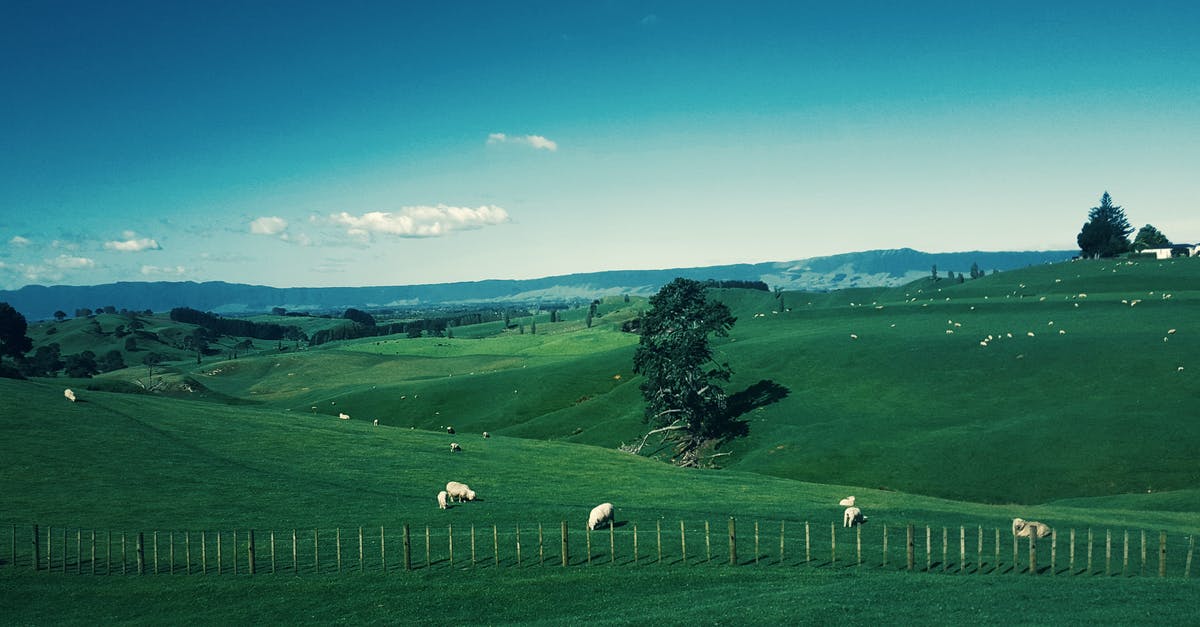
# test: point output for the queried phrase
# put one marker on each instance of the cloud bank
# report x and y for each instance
(422, 221)
(535, 141)
(132, 243)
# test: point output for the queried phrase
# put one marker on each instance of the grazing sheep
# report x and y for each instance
(459, 492)
(376, 423)
(70, 396)
(486, 435)
(853, 336)
(853, 516)
(602, 513)
(847, 502)
(455, 448)
(450, 430)
(1026, 528)
(344, 416)
(443, 500)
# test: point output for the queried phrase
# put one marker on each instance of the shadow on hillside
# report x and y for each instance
(761, 394)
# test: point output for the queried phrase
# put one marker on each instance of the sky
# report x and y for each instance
(402, 142)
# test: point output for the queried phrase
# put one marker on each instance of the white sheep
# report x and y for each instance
(847, 502)
(70, 396)
(1026, 528)
(443, 500)
(455, 448)
(344, 416)
(486, 435)
(602, 513)
(853, 516)
(459, 491)
(376, 423)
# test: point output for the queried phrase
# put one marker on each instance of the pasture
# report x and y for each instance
(1091, 428)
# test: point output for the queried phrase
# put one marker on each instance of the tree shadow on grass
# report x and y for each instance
(765, 392)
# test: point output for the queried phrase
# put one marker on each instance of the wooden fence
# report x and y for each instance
(960, 550)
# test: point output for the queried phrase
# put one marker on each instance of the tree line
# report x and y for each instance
(1107, 231)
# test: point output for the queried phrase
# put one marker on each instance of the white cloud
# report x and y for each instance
(132, 243)
(67, 262)
(156, 270)
(17, 240)
(423, 221)
(268, 225)
(536, 141)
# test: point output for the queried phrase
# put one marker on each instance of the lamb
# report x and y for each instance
(1027, 528)
(376, 423)
(602, 513)
(443, 499)
(70, 396)
(344, 416)
(459, 491)
(853, 516)
(455, 448)
(847, 502)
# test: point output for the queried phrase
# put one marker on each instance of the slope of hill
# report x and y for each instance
(861, 269)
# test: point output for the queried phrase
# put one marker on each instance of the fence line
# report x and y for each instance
(63, 550)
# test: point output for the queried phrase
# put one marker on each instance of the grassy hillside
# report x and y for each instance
(862, 387)
(127, 463)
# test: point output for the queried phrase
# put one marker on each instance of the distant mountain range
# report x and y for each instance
(872, 268)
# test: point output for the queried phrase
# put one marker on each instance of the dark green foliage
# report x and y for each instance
(130, 344)
(933, 273)
(229, 326)
(46, 361)
(1149, 237)
(737, 284)
(975, 271)
(359, 316)
(81, 366)
(1106, 233)
(682, 382)
(83, 312)
(13, 341)
(60, 315)
(112, 360)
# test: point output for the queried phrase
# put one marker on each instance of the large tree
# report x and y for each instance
(1106, 233)
(13, 341)
(1150, 237)
(682, 387)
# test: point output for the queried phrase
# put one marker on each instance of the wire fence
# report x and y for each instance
(964, 550)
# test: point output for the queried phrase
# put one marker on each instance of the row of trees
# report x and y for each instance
(1106, 233)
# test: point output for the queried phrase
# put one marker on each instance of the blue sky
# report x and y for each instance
(317, 144)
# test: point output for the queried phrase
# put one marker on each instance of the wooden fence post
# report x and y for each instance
(1091, 540)
(807, 544)
(361, 563)
(781, 523)
(833, 543)
(141, 553)
(219, 534)
(203, 552)
(79, 553)
(316, 554)
(472, 546)
(945, 549)
(732, 542)
(337, 542)
(979, 552)
(295, 561)
(566, 559)
(612, 543)
(187, 554)
(756, 551)
(1143, 553)
(272, 551)
(233, 552)
(996, 562)
(635, 545)
(962, 547)
(170, 551)
(495, 544)
(36, 549)
(94, 552)
(1187, 568)
(928, 549)
(658, 535)
(450, 540)
(1016, 558)
(707, 544)
(407, 550)
(683, 541)
(1072, 551)
(909, 545)
(518, 546)
(382, 548)
(858, 542)
(426, 548)
(1033, 553)
(885, 551)
(1162, 553)
(1125, 554)
(588, 535)
(541, 554)
(1053, 551)
(250, 566)
(1108, 552)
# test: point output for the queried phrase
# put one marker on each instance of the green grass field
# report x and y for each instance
(1089, 429)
